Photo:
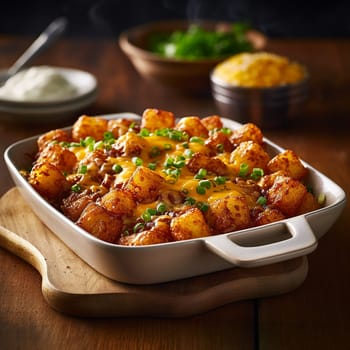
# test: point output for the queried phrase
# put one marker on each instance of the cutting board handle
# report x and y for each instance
(71, 286)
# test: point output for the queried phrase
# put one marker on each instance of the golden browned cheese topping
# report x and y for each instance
(162, 179)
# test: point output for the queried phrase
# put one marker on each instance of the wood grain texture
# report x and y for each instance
(314, 316)
(71, 286)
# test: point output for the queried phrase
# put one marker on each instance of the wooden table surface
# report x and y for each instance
(314, 316)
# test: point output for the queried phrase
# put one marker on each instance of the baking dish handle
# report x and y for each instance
(301, 242)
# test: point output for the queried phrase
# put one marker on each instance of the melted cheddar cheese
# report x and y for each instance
(134, 184)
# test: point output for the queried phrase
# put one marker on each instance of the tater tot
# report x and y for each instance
(62, 158)
(212, 165)
(289, 162)
(219, 142)
(75, 203)
(160, 233)
(212, 122)
(101, 223)
(193, 126)
(309, 203)
(229, 214)
(247, 132)
(267, 181)
(250, 153)
(268, 215)
(153, 119)
(89, 126)
(144, 184)
(286, 194)
(57, 135)
(119, 202)
(190, 224)
(49, 181)
(130, 144)
(119, 127)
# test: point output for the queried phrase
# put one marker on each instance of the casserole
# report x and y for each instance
(267, 244)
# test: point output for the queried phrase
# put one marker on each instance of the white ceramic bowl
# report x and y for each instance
(251, 247)
(51, 111)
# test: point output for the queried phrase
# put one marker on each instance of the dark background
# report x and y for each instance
(106, 18)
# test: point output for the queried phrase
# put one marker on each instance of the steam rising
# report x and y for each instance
(274, 17)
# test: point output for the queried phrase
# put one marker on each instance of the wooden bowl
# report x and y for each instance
(181, 75)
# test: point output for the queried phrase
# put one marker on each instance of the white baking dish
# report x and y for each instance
(251, 247)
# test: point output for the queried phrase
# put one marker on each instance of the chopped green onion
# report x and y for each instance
(76, 188)
(190, 201)
(197, 139)
(98, 145)
(146, 216)
(205, 183)
(137, 161)
(89, 140)
(154, 152)
(179, 163)
(148, 213)
(226, 131)
(152, 211)
(175, 173)
(83, 169)
(63, 144)
(202, 206)
(108, 135)
(257, 173)
(220, 180)
(75, 144)
(109, 142)
(321, 199)
(188, 153)
(161, 208)
(144, 132)
(152, 166)
(220, 147)
(161, 132)
(172, 134)
(169, 162)
(201, 174)
(167, 146)
(176, 135)
(243, 169)
(261, 200)
(139, 227)
(200, 189)
(117, 168)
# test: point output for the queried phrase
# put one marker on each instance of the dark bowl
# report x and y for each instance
(268, 107)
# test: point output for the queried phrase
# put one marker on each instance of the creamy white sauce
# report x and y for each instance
(38, 84)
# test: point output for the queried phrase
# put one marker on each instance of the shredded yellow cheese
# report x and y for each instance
(260, 69)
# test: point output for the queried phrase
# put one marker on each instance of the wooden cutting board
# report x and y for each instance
(71, 286)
